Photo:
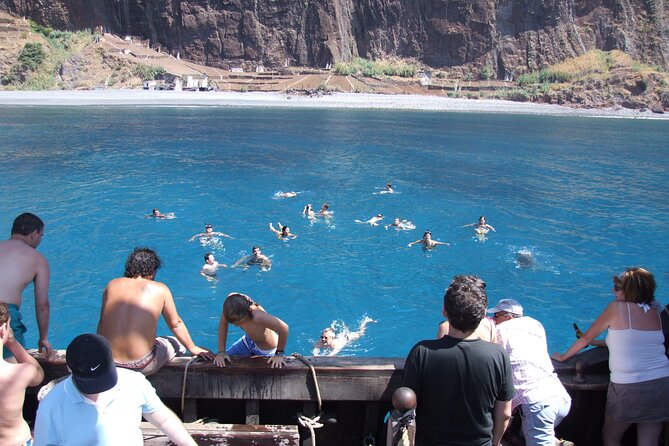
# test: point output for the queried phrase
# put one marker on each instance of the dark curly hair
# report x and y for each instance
(465, 302)
(142, 262)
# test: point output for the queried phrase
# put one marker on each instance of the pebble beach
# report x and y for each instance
(129, 98)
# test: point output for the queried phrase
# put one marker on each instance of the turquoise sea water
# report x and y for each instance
(587, 197)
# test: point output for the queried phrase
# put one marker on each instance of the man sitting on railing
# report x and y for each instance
(131, 307)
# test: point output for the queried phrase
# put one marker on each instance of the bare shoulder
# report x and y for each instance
(19, 375)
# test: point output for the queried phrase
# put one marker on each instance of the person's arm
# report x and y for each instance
(30, 373)
(240, 261)
(500, 420)
(42, 306)
(221, 357)
(490, 227)
(195, 236)
(223, 234)
(168, 423)
(361, 330)
(602, 322)
(179, 328)
(413, 243)
(271, 228)
(439, 243)
(281, 328)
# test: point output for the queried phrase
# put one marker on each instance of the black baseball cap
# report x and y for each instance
(89, 357)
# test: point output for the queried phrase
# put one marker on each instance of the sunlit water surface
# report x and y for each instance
(587, 197)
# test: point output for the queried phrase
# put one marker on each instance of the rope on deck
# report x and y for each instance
(183, 383)
(313, 422)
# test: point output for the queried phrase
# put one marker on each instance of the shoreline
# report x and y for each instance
(146, 98)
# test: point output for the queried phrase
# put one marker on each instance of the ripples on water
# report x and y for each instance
(586, 197)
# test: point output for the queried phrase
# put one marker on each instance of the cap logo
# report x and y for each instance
(95, 368)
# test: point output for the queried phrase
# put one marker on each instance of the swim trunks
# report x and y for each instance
(17, 327)
(28, 442)
(246, 347)
(165, 348)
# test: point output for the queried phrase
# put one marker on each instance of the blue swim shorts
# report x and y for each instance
(17, 327)
(246, 347)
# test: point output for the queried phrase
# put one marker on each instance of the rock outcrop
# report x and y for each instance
(510, 36)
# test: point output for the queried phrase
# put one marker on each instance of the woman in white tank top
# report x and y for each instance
(639, 386)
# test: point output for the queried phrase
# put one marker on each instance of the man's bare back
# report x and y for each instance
(129, 316)
(131, 306)
(20, 264)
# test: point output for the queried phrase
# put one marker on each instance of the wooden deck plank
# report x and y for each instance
(229, 434)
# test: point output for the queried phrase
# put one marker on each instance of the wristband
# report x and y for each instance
(279, 353)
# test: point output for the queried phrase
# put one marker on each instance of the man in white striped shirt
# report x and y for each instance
(541, 398)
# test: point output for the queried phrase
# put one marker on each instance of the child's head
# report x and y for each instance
(236, 307)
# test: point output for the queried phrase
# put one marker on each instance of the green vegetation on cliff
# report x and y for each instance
(375, 68)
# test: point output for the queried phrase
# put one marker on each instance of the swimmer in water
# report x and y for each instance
(481, 227)
(283, 232)
(389, 188)
(374, 221)
(401, 225)
(209, 232)
(427, 241)
(256, 258)
(210, 267)
(331, 343)
(325, 212)
(524, 258)
(309, 211)
(155, 213)
(290, 194)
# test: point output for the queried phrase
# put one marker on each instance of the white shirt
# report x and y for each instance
(534, 378)
(66, 417)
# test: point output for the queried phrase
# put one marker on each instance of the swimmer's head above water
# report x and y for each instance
(327, 337)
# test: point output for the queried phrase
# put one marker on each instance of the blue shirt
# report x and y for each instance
(66, 417)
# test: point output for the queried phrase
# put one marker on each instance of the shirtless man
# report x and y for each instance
(332, 343)
(210, 267)
(21, 264)
(14, 379)
(209, 232)
(427, 241)
(325, 210)
(256, 258)
(131, 306)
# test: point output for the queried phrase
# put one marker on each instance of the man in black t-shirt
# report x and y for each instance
(464, 385)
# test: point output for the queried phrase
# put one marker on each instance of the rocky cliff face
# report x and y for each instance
(511, 36)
